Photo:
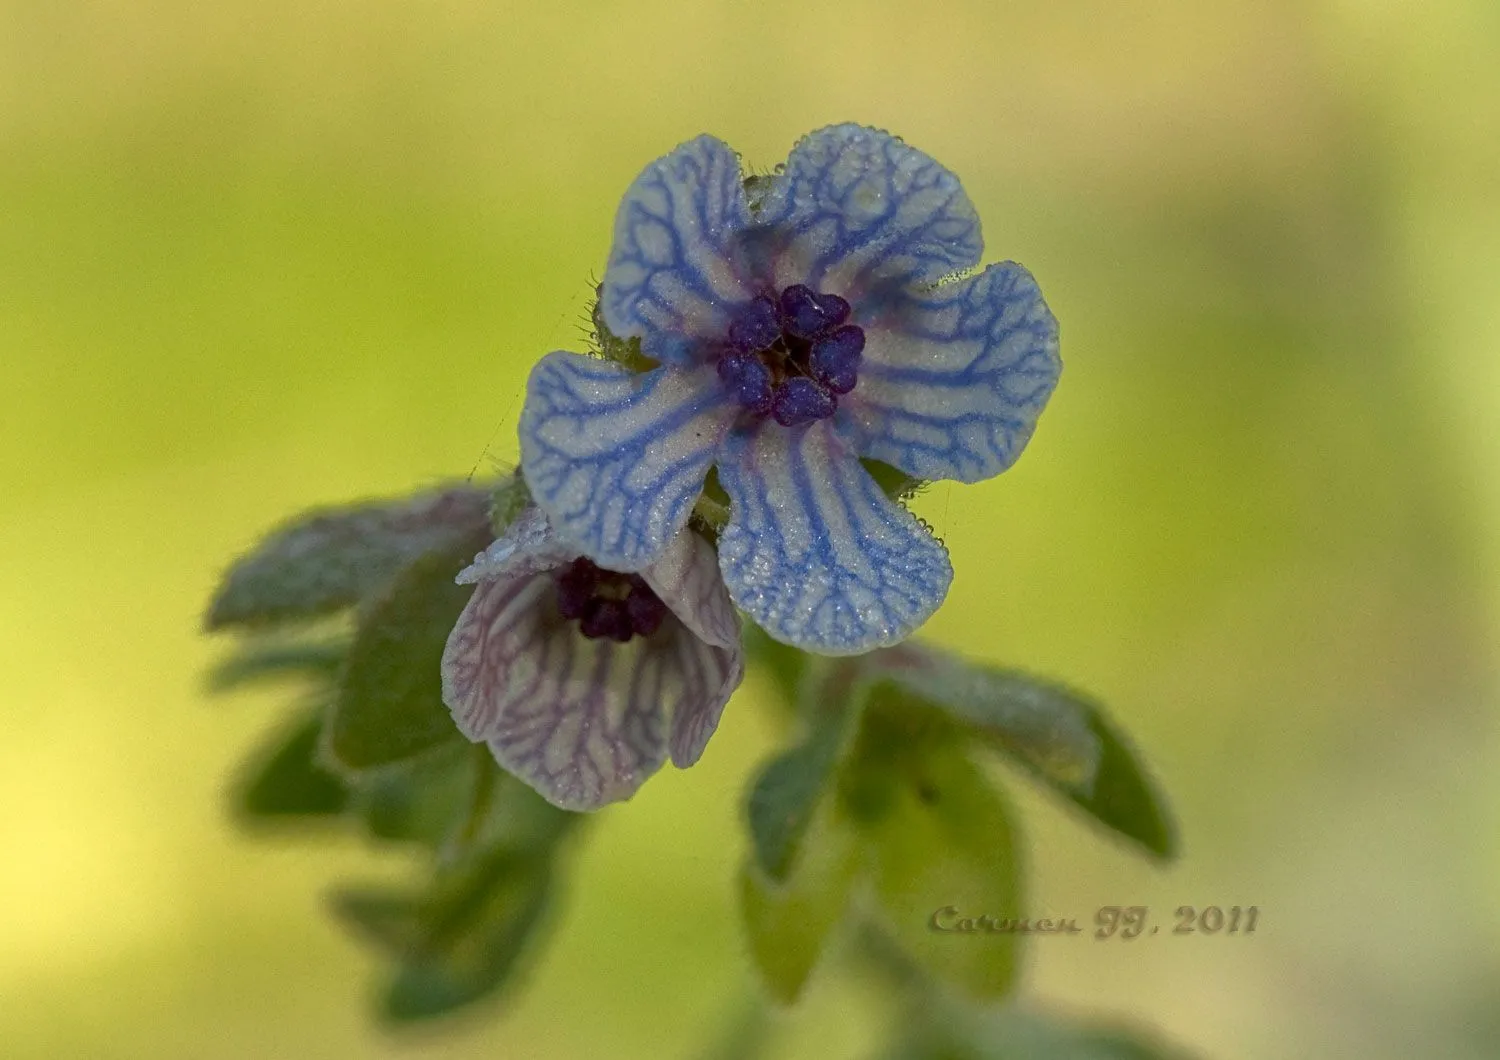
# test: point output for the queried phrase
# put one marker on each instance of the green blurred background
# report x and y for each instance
(256, 256)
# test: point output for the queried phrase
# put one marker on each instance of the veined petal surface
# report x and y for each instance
(528, 546)
(672, 275)
(814, 552)
(954, 378)
(709, 676)
(856, 209)
(616, 459)
(687, 580)
(583, 721)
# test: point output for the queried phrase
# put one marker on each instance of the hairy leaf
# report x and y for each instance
(277, 659)
(1060, 736)
(388, 918)
(957, 1032)
(508, 500)
(785, 794)
(422, 802)
(332, 558)
(458, 942)
(390, 706)
(788, 923)
(286, 780)
(513, 815)
(941, 839)
(783, 664)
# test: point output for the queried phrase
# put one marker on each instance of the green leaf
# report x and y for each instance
(508, 500)
(711, 510)
(479, 955)
(786, 792)
(954, 1032)
(1000, 1036)
(390, 706)
(385, 917)
(1058, 735)
(332, 558)
(624, 352)
(788, 923)
(783, 664)
(456, 801)
(941, 838)
(458, 942)
(516, 817)
(893, 482)
(287, 781)
(1123, 796)
(422, 802)
(782, 799)
(277, 659)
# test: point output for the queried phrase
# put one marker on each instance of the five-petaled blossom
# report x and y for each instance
(798, 324)
(583, 680)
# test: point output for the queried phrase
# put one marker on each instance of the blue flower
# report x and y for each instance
(799, 323)
(583, 680)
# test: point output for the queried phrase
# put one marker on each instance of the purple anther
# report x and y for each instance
(748, 379)
(646, 610)
(756, 327)
(801, 400)
(835, 358)
(607, 618)
(806, 314)
(608, 604)
(575, 588)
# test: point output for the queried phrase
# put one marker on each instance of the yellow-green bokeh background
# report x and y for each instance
(260, 255)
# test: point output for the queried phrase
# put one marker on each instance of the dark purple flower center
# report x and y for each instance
(606, 603)
(792, 356)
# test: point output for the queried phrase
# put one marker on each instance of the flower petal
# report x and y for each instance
(615, 458)
(671, 277)
(582, 721)
(528, 546)
(954, 378)
(814, 552)
(687, 580)
(856, 209)
(709, 677)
